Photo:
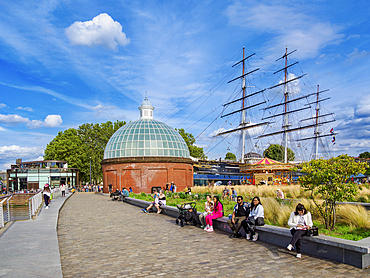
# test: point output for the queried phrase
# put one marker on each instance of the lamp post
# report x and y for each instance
(90, 170)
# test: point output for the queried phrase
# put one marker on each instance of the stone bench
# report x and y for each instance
(356, 253)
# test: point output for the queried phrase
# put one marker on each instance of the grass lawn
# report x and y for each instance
(344, 231)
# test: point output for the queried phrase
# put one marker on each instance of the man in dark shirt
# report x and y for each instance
(110, 187)
(240, 212)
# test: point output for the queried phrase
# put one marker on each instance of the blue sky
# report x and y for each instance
(65, 63)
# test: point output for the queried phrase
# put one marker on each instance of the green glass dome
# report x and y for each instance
(146, 137)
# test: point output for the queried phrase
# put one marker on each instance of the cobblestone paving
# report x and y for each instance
(101, 238)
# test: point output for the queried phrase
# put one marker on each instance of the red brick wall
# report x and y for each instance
(142, 176)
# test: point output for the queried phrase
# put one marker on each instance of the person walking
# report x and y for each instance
(47, 193)
(63, 189)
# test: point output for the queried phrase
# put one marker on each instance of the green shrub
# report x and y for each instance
(362, 199)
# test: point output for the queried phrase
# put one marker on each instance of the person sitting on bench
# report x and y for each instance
(161, 201)
(299, 221)
(155, 196)
(124, 194)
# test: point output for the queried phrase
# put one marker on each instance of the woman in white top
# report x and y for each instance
(249, 224)
(299, 221)
(46, 192)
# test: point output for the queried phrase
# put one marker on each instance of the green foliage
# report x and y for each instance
(79, 146)
(230, 156)
(190, 141)
(344, 231)
(276, 152)
(364, 155)
(330, 179)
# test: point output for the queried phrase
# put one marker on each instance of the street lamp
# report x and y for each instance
(90, 170)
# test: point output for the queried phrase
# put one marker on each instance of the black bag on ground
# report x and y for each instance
(314, 231)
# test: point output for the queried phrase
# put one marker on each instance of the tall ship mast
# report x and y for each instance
(285, 111)
(245, 124)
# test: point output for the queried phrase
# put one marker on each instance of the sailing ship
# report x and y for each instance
(286, 113)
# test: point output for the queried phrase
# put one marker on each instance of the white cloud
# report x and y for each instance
(53, 120)
(18, 151)
(29, 109)
(356, 36)
(101, 30)
(50, 121)
(35, 124)
(39, 158)
(2, 105)
(102, 107)
(67, 99)
(12, 119)
(355, 55)
(301, 31)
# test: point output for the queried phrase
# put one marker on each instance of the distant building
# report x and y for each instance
(35, 174)
(250, 158)
(146, 153)
(3, 175)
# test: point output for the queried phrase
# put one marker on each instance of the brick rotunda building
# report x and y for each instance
(146, 153)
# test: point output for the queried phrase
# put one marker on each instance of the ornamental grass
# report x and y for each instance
(353, 215)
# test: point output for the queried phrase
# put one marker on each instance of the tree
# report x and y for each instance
(79, 146)
(276, 152)
(189, 139)
(330, 179)
(230, 156)
(364, 155)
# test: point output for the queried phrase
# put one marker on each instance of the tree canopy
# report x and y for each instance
(276, 152)
(364, 155)
(79, 146)
(189, 139)
(330, 180)
(230, 156)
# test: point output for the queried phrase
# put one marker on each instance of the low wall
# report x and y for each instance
(336, 249)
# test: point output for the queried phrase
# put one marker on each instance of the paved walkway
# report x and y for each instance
(98, 237)
(30, 248)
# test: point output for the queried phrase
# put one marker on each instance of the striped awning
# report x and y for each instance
(266, 161)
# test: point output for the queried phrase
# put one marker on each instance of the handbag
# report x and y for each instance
(314, 231)
(260, 221)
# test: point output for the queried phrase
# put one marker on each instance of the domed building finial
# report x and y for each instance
(146, 110)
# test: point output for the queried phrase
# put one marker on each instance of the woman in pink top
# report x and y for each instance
(217, 212)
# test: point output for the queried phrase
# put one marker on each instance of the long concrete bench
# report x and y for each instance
(356, 253)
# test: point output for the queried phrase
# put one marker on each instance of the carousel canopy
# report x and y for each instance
(266, 161)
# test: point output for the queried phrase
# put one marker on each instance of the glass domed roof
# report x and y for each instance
(146, 137)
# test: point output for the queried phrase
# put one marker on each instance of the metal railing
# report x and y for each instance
(34, 204)
(8, 208)
(2, 218)
(56, 193)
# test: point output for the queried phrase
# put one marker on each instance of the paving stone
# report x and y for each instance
(101, 238)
